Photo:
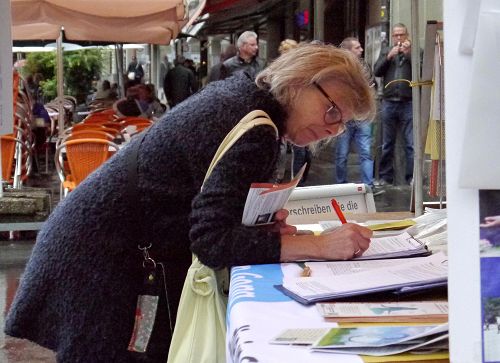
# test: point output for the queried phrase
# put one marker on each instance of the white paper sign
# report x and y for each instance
(481, 146)
(313, 204)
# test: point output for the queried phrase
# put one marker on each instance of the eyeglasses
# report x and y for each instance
(333, 115)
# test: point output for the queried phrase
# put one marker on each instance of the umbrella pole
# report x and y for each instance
(119, 69)
(60, 85)
(417, 138)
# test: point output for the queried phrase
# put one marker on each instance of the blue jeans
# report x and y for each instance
(361, 133)
(301, 155)
(396, 115)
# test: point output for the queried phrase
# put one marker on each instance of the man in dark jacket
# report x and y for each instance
(135, 72)
(180, 83)
(394, 64)
(246, 60)
(215, 71)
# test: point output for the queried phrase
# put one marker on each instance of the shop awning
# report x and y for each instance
(232, 16)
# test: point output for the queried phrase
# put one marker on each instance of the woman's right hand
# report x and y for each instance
(343, 243)
(346, 242)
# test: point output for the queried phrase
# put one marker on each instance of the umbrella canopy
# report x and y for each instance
(119, 21)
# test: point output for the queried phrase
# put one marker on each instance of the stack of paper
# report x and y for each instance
(380, 228)
(394, 246)
(376, 340)
(383, 340)
(402, 245)
(333, 280)
(409, 311)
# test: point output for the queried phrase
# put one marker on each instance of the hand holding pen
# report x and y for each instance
(344, 243)
(359, 236)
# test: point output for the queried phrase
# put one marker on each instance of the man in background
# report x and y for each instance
(359, 132)
(165, 66)
(214, 74)
(180, 83)
(135, 72)
(394, 64)
(246, 60)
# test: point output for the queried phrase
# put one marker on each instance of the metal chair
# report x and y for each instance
(83, 157)
(130, 121)
(82, 126)
(8, 144)
(86, 134)
(98, 117)
(16, 160)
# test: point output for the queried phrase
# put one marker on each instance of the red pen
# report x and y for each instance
(338, 211)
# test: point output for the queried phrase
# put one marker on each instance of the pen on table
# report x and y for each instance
(306, 270)
(338, 211)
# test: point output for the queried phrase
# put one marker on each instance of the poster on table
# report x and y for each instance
(489, 225)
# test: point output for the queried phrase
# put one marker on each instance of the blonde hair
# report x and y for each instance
(286, 45)
(300, 67)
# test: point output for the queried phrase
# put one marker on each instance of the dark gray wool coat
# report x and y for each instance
(79, 291)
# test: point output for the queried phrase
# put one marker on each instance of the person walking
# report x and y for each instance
(165, 66)
(357, 131)
(246, 60)
(180, 83)
(135, 72)
(394, 65)
(79, 292)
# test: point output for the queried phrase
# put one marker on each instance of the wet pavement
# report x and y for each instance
(14, 253)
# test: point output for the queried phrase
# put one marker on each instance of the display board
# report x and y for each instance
(463, 204)
(480, 143)
(313, 204)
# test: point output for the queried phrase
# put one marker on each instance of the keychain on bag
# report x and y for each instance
(154, 285)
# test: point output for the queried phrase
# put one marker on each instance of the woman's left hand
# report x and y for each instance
(280, 224)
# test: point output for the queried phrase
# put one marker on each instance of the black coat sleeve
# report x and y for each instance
(217, 236)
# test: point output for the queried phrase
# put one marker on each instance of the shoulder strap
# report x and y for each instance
(131, 187)
(252, 119)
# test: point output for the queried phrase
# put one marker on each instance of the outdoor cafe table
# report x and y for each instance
(257, 312)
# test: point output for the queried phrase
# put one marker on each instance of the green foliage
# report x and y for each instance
(49, 88)
(81, 67)
(43, 63)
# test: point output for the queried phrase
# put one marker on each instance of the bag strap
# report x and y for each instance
(131, 186)
(252, 119)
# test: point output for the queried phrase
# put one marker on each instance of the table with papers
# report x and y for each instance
(258, 312)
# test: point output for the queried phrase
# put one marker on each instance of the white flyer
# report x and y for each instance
(265, 199)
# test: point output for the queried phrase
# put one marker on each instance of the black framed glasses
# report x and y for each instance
(333, 115)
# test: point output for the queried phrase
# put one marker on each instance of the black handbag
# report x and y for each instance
(153, 318)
